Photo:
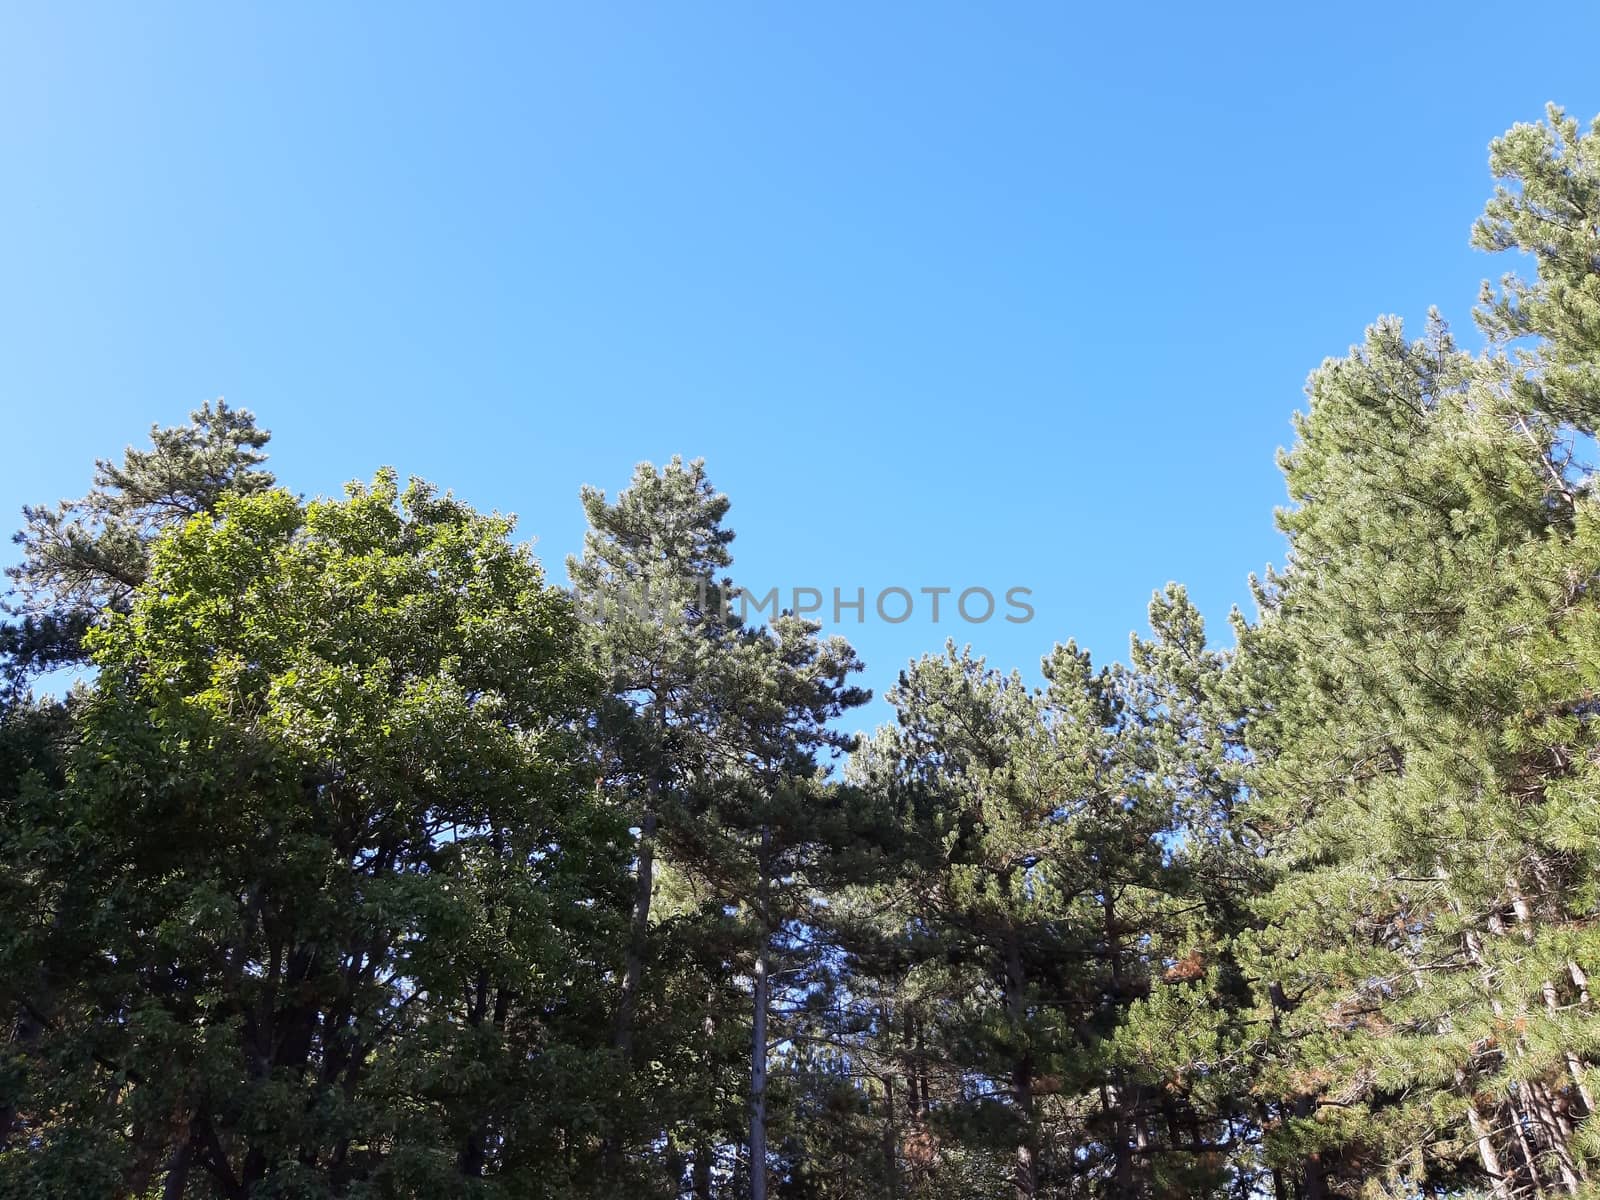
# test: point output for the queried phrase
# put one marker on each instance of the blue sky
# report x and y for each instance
(947, 295)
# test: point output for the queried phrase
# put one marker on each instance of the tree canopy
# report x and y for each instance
(361, 860)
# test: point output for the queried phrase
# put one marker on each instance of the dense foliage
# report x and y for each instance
(354, 858)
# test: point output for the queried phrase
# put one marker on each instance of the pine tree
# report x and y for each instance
(772, 821)
(1180, 1037)
(1025, 929)
(1421, 740)
(660, 627)
(713, 743)
(83, 557)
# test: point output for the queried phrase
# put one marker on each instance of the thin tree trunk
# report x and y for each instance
(633, 970)
(758, 1040)
(891, 1161)
(26, 1034)
(1530, 1158)
(676, 1161)
(1025, 1179)
(1574, 1064)
(1487, 1154)
(703, 1156)
(177, 1180)
(638, 932)
(920, 1102)
(1112, 1104)
(1557, 1133)
(1111, 1097)
(1539, 1101)
(1579, 981)
(758, 1077)
(1316, 1178)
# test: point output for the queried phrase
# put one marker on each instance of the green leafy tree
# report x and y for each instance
(329, 904)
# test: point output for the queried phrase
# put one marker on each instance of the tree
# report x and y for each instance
(83, 557)
(711, 737)
(1421, 772)
(659, 627)
(360, 862)
(773, 818)
(1029, 912)
(332, 903)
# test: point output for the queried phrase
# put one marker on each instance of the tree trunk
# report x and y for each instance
(919, 1080)
(1111, 1102)
(1316, 1178)
(177, 1181)
(1313, 1175)
(677, 1161)
(758, 1077)
(1487, 1154)
(26, 1033)
(1557, 1133)
(703, 1155)
(1111, 1097)
(891, 1161)
(758, 1040)
(1530, 1157)
(1025, 1178)
(638, 932)
(632, 971)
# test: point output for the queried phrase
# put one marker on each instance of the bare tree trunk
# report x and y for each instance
(1310, 1184)
(177, 1180)
(1316, 1178)
(1111, 1102)
(1487, 1154)
(1535, 1101)
(638, 932)
(644, 886)
(1579, 981)
(703, 1156)
(1530, 1158)
(1557, 1133)
(1574, 1063)
(758, 1041)
(676, 1161)
(891, 1160)
(1025, 1179)
(633, 966)
(920, 1079)
(1111, 1097)
(26, 1033)
(1559, 1130)
(758, 1078)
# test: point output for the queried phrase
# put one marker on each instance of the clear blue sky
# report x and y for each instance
(953, 295)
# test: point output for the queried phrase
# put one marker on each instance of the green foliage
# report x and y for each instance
(327, 910)
(363, 863)
(1420, 737)
(80, 557)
